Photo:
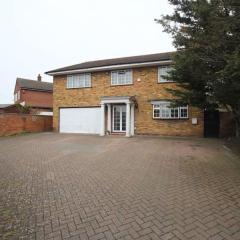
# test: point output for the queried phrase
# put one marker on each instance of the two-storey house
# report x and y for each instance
(121, 96)
(36, 94)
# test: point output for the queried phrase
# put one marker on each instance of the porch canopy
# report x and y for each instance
(130, 103)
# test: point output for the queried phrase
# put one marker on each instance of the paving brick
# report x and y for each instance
(109, 235)
(66, 186)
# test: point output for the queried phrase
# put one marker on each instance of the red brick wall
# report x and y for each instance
(12, 123)
(35, 98)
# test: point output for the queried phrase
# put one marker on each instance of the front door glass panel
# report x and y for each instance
(119, 118)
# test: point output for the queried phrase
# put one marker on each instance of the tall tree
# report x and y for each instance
(206, 34)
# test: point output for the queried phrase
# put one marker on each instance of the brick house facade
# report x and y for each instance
(141, 98)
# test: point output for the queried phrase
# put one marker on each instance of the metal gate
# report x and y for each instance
(211, 124)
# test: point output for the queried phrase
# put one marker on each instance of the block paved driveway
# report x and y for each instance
(65, 186)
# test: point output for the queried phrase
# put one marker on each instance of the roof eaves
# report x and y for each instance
(110, 67)
(140, 59)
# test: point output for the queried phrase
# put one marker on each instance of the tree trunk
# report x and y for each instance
(237, 122)
(237, 127)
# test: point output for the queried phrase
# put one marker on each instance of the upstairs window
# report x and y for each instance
(162, 110)
(79, 81)
(163, 71)
(17, 96)
(122, 77)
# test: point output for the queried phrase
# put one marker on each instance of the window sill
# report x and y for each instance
(120, 85)
(78, 88)
(170, 118)
(166, 82)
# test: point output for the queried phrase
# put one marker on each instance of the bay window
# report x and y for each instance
(163, 110)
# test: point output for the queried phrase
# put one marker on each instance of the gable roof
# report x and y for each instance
(35, 85)
(150, 58)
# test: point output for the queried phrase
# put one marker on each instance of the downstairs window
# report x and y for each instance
(162, 110)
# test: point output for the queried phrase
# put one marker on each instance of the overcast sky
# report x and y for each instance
(40, 35)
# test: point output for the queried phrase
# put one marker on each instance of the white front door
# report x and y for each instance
(119, 118)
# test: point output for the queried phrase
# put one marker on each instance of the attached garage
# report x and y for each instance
(80, 120)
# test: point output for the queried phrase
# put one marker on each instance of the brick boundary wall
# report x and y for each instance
(14, 123)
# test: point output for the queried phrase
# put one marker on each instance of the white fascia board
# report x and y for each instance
(111, 67)
(159, 102)
(123, 99)
(115, 101)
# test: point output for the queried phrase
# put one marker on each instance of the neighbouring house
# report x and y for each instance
(121, 96)
(36, 94)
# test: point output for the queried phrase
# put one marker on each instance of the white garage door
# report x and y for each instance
(80, 120)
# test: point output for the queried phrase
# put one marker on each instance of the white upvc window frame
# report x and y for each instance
(183, 108)
(162, 110)
(17, 96)
(121, 77)
(163, 71)
(83, 80)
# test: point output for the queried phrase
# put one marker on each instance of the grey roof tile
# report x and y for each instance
(117, 61)
(34, 84)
